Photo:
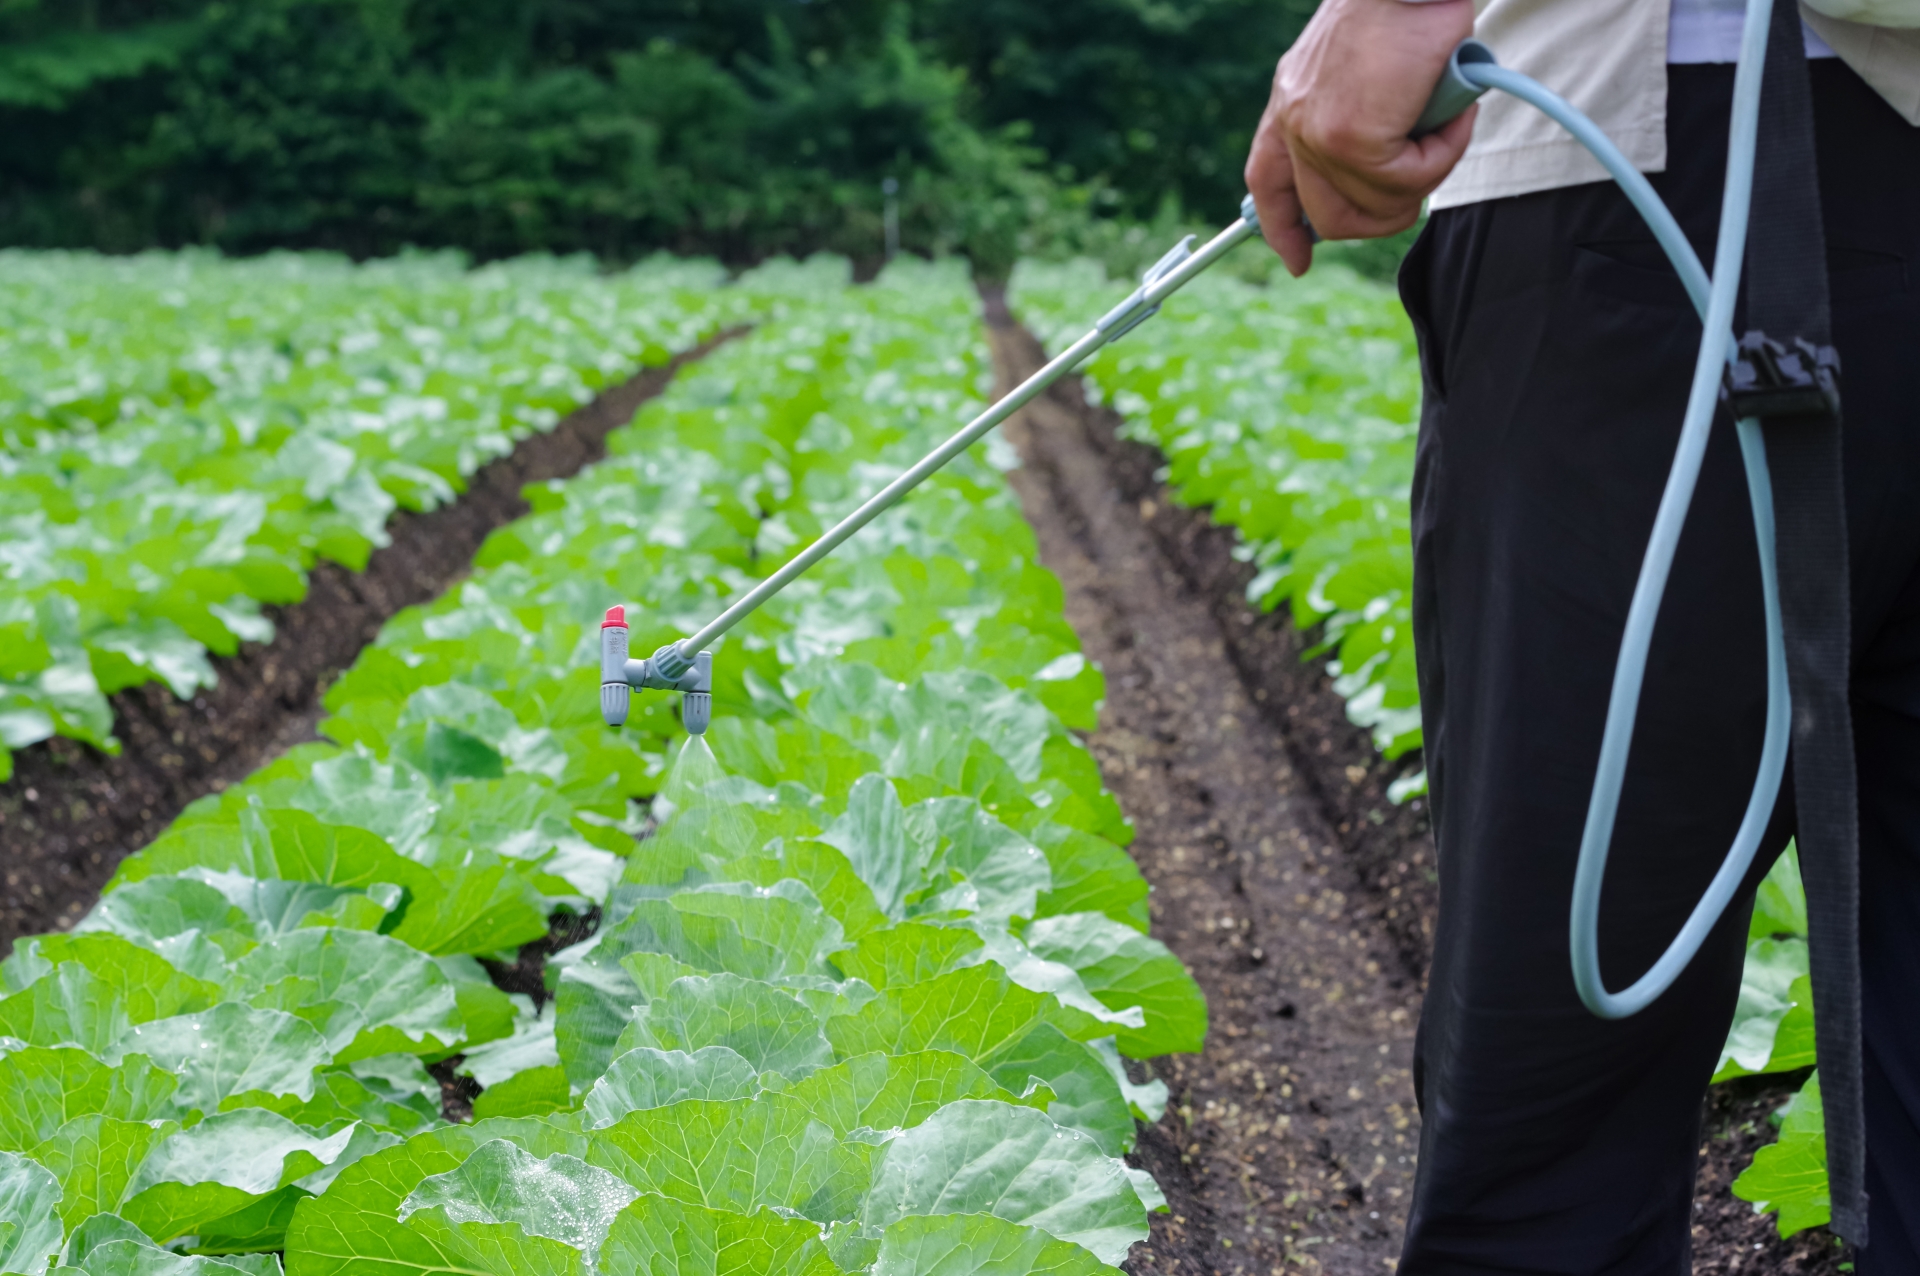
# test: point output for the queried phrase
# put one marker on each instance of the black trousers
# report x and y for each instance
(1557, 348)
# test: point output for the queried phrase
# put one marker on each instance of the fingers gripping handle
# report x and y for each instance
(1456, 91)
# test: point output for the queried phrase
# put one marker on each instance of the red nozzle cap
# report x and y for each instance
(616, 618)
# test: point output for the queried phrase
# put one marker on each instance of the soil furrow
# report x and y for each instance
(1217, 737)
(70, 813)
(1290, 1141)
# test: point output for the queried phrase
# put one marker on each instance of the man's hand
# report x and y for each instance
(1333, 141)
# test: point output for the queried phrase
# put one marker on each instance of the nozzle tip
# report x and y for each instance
(696, 712)
(616, 618)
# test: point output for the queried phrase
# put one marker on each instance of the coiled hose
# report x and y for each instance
(1715, 301)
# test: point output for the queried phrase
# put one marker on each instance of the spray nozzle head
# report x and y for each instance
(668, 669)
(696, 712)
(696, 687)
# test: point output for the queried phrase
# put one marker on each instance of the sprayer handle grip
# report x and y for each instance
(1455, 92)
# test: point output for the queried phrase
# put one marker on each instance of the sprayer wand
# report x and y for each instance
(687, 667)
(670, 666)
(1174, 269)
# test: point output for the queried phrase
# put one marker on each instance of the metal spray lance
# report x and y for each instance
(687, 666)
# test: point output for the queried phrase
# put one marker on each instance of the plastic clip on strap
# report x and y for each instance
(1768, 378)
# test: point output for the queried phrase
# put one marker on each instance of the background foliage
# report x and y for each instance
(741, 127)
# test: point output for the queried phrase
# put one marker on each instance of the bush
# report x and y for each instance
(737, 127)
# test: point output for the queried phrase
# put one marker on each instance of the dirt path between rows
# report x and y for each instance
(70, 813)
(1302, 900)
(1290, 1141)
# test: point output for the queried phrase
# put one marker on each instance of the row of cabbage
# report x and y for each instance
(182, 437)
(858, 999)
(1291, 413)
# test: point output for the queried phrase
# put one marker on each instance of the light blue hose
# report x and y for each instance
(1715, 302)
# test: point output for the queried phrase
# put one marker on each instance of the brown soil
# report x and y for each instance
(527, 972)
(1302, 900)
(1288, 1144)
(457, 1092)
(70, 813)
(1728, 1237)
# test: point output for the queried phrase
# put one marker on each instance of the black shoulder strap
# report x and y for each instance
(1787, 374)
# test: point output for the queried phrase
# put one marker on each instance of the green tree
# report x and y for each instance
(741, 127)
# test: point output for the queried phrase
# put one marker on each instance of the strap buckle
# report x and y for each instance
(1769, 378)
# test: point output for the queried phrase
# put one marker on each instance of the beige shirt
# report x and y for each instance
(1609, 58)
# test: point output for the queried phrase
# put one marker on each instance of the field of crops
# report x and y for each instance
(182, 438)
(861, 981)
(860, 1000)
